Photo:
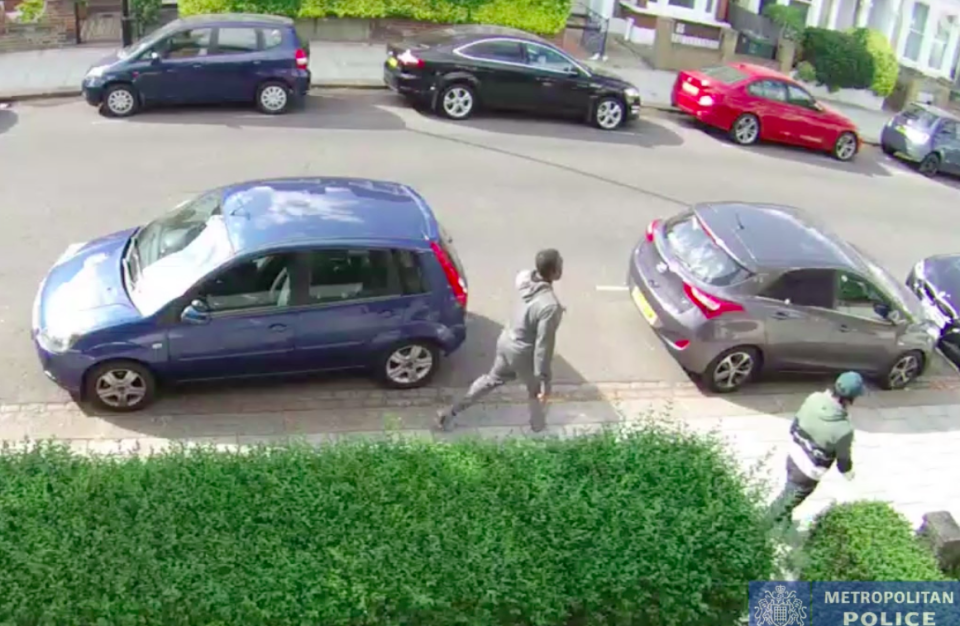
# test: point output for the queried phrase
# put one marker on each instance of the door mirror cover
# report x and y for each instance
(154, 56)
(196, 312)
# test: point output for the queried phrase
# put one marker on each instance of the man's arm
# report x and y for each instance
(844, 459)
(543, 352)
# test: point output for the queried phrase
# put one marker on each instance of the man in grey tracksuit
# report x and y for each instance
(821, 435)
(525, 347)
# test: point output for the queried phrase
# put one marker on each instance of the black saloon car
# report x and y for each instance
(455, 70)
(936, 281)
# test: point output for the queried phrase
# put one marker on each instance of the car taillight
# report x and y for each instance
(711, 306)
(705, 101)
(408, 58)
(450, 271)
(651, 229)
(302, 59)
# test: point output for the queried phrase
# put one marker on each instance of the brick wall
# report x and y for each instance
(57, 27)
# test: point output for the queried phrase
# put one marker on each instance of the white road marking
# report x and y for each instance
(612, 288)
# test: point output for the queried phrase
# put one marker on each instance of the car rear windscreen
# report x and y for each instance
(918, 117)
(700, 255)
(724, 74)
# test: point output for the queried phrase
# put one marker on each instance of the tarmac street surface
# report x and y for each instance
(503, 186)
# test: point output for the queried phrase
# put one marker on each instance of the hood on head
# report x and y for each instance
(529, 284)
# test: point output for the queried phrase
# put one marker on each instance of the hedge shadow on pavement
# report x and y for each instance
(321, 112)
(642, 133)
(315, 404)
(8, 119)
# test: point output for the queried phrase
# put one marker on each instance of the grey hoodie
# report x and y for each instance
(533, 328)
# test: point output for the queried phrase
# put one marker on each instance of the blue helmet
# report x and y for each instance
(849, 385)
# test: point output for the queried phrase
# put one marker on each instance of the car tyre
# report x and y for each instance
(119, 101)
(930, 165)
(732, 369)
(609, 113)
(274, 98)
(846, 147)
(904, 370)
(409, 364)
(120, 386)
(745, 130)
(457, 101)
(887, 150)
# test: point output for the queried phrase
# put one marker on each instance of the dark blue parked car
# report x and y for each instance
(205, 59)
(260, 278)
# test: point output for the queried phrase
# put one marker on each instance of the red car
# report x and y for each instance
(755, 103)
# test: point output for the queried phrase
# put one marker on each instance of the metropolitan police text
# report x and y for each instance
(882, 597)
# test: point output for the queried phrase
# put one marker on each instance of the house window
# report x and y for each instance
(940, 42)
(918, 22)
(803, 8)
(684, 4)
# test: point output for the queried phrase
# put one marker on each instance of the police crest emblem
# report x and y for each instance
(780, 608)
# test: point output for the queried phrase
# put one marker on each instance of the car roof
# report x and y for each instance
(287, 211)
(468, 33)
(935, 110)
(250, 19)
(770, 236)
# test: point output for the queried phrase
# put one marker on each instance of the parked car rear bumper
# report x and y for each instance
(893, 140)
(412, 85)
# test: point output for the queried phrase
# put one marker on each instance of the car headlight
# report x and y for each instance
(96, 72)
(56, 343)
(631, 93)
(916, 136)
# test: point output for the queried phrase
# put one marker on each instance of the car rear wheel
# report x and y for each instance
(905, 369)
(120, 386)
(119, 101)
(608, 114)
(457, 101)
(732, 369)
(745, 130)
(930, 165)
(409, 365)
(887, 150)
(846, 147)
(273, 98)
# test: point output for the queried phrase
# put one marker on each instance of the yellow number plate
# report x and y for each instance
(392, 62)
(645, 309)
(689, 88)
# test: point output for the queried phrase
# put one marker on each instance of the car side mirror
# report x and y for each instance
(154, 57)
(882, 310)
(571, 71)
(197, 312)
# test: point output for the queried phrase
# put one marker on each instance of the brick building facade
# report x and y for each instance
(57, 27)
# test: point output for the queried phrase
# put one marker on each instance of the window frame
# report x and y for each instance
(480, 56)
(810, 105)
(258, 36)
(769, 81)
(918, 32)
(463, 51)
(393, 275)
(891, 303)
(828, 274)
(164, 44)
(532, 44)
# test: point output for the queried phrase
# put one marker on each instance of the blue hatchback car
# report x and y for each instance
(260, 278)
(205, 59)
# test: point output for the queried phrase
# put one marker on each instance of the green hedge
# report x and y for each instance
(885, 65)
(654, 526)
(840, 60)
(866, 540)
(539, 16)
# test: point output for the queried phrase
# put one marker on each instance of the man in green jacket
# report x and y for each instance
(821, 435)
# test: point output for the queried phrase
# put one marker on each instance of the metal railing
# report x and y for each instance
(593, 40)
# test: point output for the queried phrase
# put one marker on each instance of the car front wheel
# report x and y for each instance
(930, 165)
(905, 369)
(120, 386)
(732, 369)
(608, 114)
(409, 365)
(119, 101)
(845, 147)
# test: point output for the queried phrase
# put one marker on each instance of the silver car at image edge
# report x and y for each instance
(733, 289)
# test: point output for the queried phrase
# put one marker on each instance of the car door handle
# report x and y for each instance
(844, 328)
(782, 315)
(278, 328)
(546, 82)
(197, 66)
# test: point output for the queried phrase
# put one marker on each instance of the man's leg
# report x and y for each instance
(538, 416)
(798, 488)
(499, 374)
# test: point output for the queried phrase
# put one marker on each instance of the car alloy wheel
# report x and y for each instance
(746, 129)
(846, 147)
(120, 102)
(457, 102)
(409, 364)
(273, 98)
(732, 369)
(930, 165)
(904, 371)
(609, 114)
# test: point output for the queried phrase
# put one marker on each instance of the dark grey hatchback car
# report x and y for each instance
(925, 135)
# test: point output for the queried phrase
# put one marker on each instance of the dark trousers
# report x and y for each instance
(798, 488)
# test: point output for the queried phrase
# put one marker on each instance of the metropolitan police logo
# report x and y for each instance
(780, 608)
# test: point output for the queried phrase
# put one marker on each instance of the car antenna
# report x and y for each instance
(739, 223)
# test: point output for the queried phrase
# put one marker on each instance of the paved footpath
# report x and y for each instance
(903, 453)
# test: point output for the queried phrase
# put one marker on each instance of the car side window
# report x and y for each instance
(233, 40)
(272, 38)
(545, 58)
(948, 130)
(411, 272)
(800, 97)
(509, 51)
(353, 274)
(768, 90)
(188, 43)
(858, 296)
(253, 284)
(803, 288)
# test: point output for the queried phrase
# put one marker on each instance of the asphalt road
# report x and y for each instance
(504, 187)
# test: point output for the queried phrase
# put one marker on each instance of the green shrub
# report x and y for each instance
(539, 16)
(840, 60)
(866, 540)
(145, 14)
(651, 526)
(806, 72)
(31, 10)
(791, 19)
(885, 65)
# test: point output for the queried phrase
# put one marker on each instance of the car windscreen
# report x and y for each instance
(902, 297)
(918, 117)
(149, 41)
(724, 74)
(699, 254)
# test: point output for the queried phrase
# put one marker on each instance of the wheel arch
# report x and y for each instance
(85, 378)
(452, 78)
